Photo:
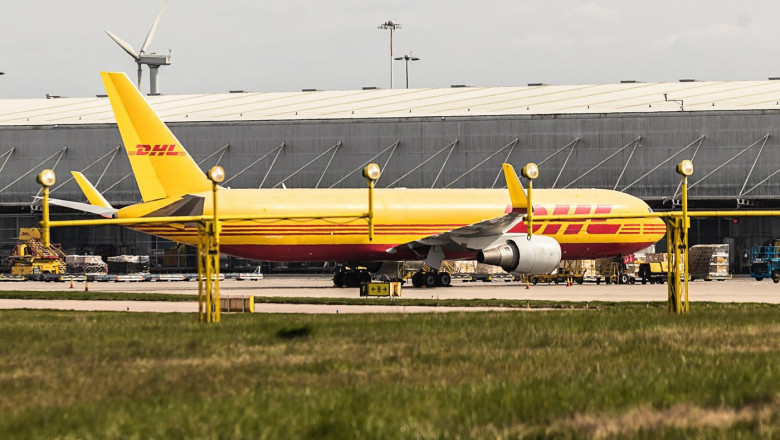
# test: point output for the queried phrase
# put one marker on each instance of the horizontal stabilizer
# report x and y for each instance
(86, 207)
(516, 191)
(93, 195)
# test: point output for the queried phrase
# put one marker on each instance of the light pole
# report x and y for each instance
(371, 172)
(407, 58)
(530, 172)
(392, 26)
(46, 179)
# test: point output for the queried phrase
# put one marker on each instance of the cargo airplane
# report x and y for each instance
(410, 224)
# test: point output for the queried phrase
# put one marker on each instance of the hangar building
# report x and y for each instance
(627, 136)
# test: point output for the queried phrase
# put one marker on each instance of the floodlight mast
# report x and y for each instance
(391, 26)
(407, 58)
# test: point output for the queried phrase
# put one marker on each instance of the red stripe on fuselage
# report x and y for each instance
(372, 252)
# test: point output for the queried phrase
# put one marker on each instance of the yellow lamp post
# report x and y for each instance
(684, 169)
(371, 172)
(530, 172)
(46, 179)
(208, 256)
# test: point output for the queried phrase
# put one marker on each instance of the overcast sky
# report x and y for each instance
(59, 47)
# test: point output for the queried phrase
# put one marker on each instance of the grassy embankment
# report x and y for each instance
(620, 371)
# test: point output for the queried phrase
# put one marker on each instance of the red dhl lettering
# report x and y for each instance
(157, 150)
(602, 229)
(582, 209)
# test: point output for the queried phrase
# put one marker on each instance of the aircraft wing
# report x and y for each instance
(472, 237)
(481, 234)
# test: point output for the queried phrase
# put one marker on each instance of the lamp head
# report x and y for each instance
(372, 171)
(530, 171)
(47, 178)
(216, 174)
(685, 168)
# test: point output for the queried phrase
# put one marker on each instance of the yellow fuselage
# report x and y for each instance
(402, 216)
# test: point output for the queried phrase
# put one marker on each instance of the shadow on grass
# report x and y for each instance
(295, 332)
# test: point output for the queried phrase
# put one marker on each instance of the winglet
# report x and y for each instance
(93, 195)
(516, 191)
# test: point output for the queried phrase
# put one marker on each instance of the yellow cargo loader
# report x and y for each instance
(32, 260)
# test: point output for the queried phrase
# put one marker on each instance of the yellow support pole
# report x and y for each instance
(45, 221)
(201, 268)
(46, 179)
(677, 264)
(371, 172)
(530, 215)
(530, 171)
(669, 259)
(685, 226)
(214, 252)
(370, 210)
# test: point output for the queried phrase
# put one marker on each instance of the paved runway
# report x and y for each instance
(741, 289)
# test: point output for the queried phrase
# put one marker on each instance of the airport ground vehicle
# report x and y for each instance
(765, 263)
(653, 272)
(32, 260)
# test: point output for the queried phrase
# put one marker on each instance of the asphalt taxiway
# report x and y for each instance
(740, 289)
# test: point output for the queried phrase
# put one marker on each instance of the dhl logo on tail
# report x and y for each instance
(157, 150)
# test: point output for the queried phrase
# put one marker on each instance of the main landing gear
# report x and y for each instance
(351, 277)
(431, 278)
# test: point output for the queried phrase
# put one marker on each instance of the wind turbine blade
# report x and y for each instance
(124, 45)
(149, 37)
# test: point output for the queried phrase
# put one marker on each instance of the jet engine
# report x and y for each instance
(519, 254)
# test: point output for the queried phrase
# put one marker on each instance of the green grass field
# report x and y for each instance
(622, 371)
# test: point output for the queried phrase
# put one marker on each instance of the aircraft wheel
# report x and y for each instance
(338, 279)
(417, 279)
(443, 279)
(429, 279)
(352, 279)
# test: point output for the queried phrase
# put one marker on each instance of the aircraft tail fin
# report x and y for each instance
(516, 191)
(161, 165)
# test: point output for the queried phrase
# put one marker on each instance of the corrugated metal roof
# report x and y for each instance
(457, 101)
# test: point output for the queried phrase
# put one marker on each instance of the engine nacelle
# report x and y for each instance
(520, 255)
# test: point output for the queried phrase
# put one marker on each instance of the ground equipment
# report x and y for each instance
(765, 263)
(32, 260)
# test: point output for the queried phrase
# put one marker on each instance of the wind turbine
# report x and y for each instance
(153, 60)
